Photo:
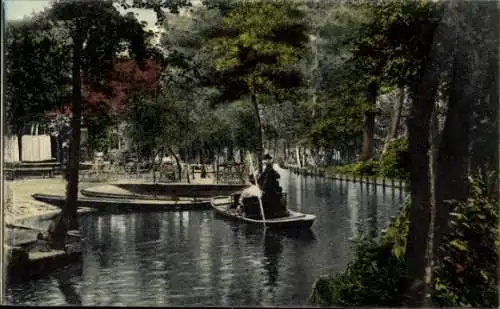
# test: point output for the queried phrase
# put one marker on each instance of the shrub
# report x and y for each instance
(377, 274)
(389, 164)
(366, 168)
(362, 168)
(466, 276)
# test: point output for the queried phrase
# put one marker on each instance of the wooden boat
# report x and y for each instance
(117, 205)
(295, 220)
(162, 191)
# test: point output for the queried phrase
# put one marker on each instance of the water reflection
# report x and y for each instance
(67, 287)
(372, 213)
(195, 258)
(272, 252)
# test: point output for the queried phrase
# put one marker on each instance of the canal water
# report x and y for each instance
(194, 258)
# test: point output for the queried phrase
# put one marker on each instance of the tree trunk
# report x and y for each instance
(369, 127)
(484, 133)
(260, 152)
(179, 167)
(452, 165)
(160, 151)
(420, 212)
(230, 153)
(297, 153)
(275, 151)
(20, 144)
(396, 117)
(433, 152)
(68, 216)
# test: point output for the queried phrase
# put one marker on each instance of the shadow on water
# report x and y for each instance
(272, 253)
(66, 286)
(62, 280)
(269, 244)
(301, 235)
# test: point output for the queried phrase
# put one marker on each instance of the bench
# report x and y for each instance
(12, 173)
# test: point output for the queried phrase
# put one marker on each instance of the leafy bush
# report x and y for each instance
(377, 274)
(366, 168)
(362, 168)
(466, 276)
(389, 165)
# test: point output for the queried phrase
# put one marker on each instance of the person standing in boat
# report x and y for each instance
(271, 197)
(269, 180)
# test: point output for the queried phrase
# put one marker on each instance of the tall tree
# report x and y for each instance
(474, 51)
(96, 30)
(37, 75)
(255, 49)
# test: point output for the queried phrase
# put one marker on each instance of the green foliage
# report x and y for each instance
(98, 123)
(466, 276)
(393, 46)
(256, 47)
(102, 32)
(361, 168)
(340, 127)
(376, 277)
(158, 7)
(161, 121)
(389, 163)
(36, 69)
(243, 125)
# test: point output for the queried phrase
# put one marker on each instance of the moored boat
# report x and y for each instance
(224, 206)
(117, 205)
(161, 191)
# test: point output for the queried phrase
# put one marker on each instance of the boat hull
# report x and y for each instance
(295, 220)
(119, 205)
(159, 191)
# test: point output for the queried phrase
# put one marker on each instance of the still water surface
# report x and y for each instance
(194, 258)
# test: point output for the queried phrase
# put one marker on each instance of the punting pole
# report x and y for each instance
(257, 184)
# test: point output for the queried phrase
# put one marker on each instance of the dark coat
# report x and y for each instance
(268, 181)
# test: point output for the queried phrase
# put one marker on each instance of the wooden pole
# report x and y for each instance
(257, 184)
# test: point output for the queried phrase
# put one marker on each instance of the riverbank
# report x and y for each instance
(328, 172)
(20, 206)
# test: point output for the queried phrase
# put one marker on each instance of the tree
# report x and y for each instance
(104, 108)
(92, 59)
(161, 122)
(255, 49)
(474, 49)
(37, 75)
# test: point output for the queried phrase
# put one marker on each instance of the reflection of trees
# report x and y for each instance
(105, 240)
(151, 227)
(372, 213)
(272, 252)
(353, 204)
